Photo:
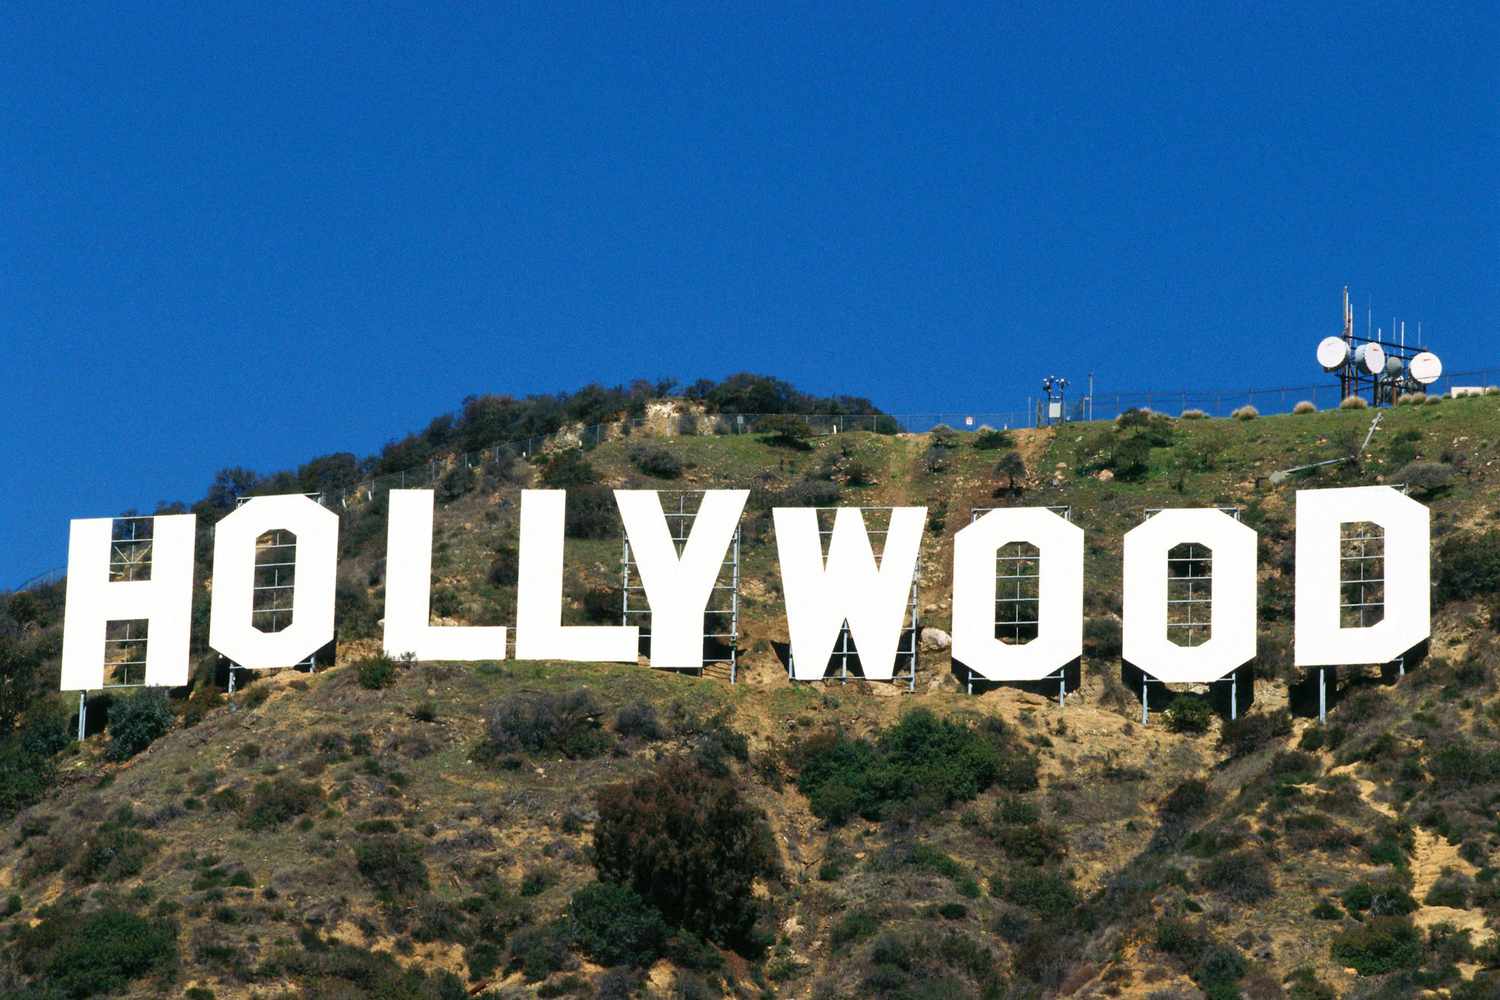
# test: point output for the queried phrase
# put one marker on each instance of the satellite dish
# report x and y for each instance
(1332, 353)
(1392, 366)
(1425, 368)
(1370, 357)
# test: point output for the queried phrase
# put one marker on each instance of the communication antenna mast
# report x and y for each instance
(1388, 367)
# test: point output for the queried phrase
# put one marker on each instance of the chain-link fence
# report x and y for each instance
(1099, 406)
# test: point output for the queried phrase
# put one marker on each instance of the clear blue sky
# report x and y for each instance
(248, 235)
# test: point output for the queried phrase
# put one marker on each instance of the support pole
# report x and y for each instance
(1062, 688)
(83, 715)
(1234, 696)
(1322, 696)
(1145, 702)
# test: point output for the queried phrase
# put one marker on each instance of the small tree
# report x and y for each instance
(135, 723)
(689, 844)
(787, 430)
(1013, 468)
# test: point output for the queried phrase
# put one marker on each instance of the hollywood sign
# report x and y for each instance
(822, 591)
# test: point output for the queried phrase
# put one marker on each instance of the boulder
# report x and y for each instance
(935, 638)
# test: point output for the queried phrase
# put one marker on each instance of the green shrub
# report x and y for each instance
(1246, 412)
(393, 865)
(114, 852)
(567, 469)
(989, 439)
(1304, 984)
(1242, 877)
(94, 954)
(1382, 945)
(1449, 890)
(274, 802)
(656, 461)
(136, 722)
(1462, 764)
(638, 719)
(1187, 714)
(1254, 731)
(376, 672)
(786, 430)
(564, 722)
(505, 568)
(922, 761)
(1468, 566)
(329, 968)
(1386, 899)
(689, 844)
(24, 777)
(1045, 891)
(853, 927)
(613, 925)
(539, 951)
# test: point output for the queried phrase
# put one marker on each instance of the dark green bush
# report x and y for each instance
(539, 951)
(923, 761)
(591, 513)
(1379, 946)
(1187, 714)
(1047, 892)
(393, 865)
(1243, 877)
(613, 925)
(100, 953)
(1462, 764)
(638, 719)
(24, 777)
(1385, 899)
(274, 802)
(656, 461)
(689, 844)
(989, 439)
(136, 722)
(114, 852)
(1254, 731)
(376, 672)
(505, 568)
(787, 431)
(567, 469)
(1468, 566)
(565, 722)
(328, 968)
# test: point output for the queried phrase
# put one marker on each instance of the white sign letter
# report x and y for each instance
(678, 589)
(408, 591)
(1321, 640)
(165, 601)
(1059, 637)
(1232, 636)
(850, 588)
(231, 627)
(540, 633)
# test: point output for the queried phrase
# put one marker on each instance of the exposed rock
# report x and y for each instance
(935, 638)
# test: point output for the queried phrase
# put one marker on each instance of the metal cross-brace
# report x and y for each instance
(721, 624)
(844, 648)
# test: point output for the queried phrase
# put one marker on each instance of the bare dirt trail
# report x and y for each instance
(1432, 855)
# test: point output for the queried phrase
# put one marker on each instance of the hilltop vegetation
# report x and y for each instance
(431, 830)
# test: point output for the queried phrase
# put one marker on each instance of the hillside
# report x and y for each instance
(436, 830)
